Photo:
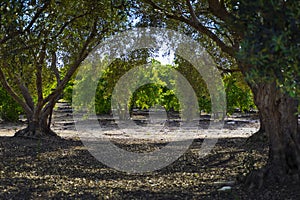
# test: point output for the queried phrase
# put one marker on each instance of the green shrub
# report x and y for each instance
(238, 94)
(9, 108)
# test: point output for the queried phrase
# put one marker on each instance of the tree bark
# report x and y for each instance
(38, 125)
(279, 117)
(262, 128)
(260, 135)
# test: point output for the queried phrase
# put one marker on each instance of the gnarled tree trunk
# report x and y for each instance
(279, 115)
(38, 123)
(260, 135)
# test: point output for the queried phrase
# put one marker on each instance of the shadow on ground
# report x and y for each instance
(64, 169)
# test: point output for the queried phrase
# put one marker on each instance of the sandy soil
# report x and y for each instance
(233, 127)
(65, 169)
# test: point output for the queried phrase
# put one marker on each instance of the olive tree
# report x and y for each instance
(42, 44)
(261, 37)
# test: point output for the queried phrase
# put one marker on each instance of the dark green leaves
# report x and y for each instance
(271, 42)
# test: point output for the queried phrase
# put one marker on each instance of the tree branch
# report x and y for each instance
(225, 71)
(225, 35)
(82, 55)
(204, 30)
(66, 24)
(39, 67)
(28, 27)
(36, 16)
(218, 9)
(198, 26)
(54, 68)
(23, 89)
(192, 11)
(25, 92)
(15, 96)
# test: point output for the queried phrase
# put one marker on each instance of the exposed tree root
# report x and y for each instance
(257, 179)
(259, 136)
(27, 133)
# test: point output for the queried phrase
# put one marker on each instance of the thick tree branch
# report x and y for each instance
(198, 26)
(82, 55)
(54, 67)
(219, 10)
(204, 30)
(23, 89)
(15, 96)
(39, 68)
(25, 93)
(225, 35)
(192, 11)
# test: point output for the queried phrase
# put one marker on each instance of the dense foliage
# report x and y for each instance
(146, 96)
(239, 95)
(42, 43)
(271, 41)
(9, 108)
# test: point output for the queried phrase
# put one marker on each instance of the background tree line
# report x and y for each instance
(239, 96)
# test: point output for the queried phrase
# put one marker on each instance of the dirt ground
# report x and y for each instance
(64, 169)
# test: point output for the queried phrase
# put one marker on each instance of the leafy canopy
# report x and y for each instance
(271, 41)
(43, 43)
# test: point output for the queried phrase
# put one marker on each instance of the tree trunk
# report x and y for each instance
(262, 128)
(279, 116)
(260, 135)
(38, 124)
